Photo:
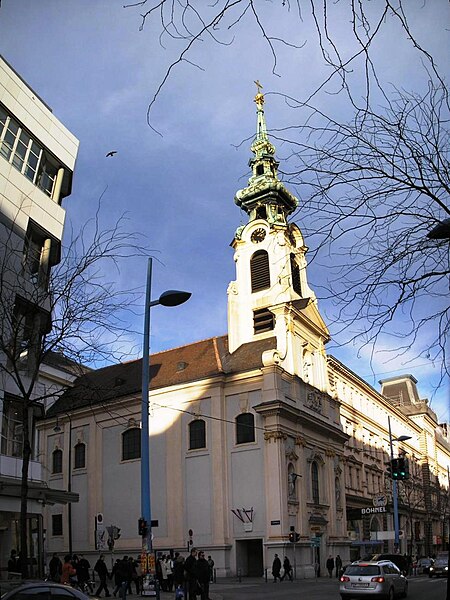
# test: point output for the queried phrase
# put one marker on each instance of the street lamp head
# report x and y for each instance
(402, 438)
(173, 297)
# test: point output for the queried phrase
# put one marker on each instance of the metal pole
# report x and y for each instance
(69, 485)
(145, 443)
(394, 493)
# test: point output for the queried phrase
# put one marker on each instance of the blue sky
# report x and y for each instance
(88, 60)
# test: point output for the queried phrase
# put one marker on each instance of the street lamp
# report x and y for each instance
(69, 475)
(402, 438)
(168, 298)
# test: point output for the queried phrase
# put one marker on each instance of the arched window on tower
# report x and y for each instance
(295, 274)
(260, 271)
(315, 482)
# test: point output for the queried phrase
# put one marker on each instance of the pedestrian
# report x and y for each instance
(287, 569)
(68, 570)
(276, 568)
(330, 565)
(202, 572)
(169, 571)
(338, 563)
(178, 570)
(211, 569)
(55, 568)
(190, 575)
(83, 575)
(13, 569)
(138, 575)
(102, 571)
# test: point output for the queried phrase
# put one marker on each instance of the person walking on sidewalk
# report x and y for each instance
(102, 571)
(338, 565)
(287, 569)
(276, 568)
(190, 575)
(202, 571)
(330, 565)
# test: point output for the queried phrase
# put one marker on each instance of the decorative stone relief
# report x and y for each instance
(330, 452)
(314, 401)
(291, 456)
(274, 435)
(300, 441)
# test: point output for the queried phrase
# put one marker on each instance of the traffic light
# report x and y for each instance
(297, 537)
(142, 527)
(403, 467)
(395, 473)
(292, 534)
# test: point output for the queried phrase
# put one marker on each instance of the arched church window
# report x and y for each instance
(131, 443)
(295, 274)
(79, 456)
(197, 434)
(315, 482)
(57, 460)
(245, 428)
(260, 271)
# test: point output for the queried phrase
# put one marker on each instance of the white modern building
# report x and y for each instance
(254, 435)
(37, 158)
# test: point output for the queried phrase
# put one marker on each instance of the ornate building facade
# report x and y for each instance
(254, 435)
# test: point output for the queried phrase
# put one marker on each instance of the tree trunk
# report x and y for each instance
(26, 455)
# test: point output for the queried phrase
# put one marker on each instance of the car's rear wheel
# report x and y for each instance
(391, 594)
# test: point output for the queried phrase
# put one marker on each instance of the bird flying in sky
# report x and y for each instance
(111, 153)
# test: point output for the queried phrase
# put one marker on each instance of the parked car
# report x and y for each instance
(439, 568)
(423, 565)
(398, 559)
(45, 591)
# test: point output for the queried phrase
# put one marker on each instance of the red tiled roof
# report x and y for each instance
(193, 362)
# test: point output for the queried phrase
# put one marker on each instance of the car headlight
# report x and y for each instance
(446, 568)
(431, 568)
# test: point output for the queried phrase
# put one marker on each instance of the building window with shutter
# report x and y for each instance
(260, 271)
(79, 456)
(197, 434)
(263, 320)
(131, 444)
(57, 461)
(245, 428)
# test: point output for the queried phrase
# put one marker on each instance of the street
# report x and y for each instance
(420, 588)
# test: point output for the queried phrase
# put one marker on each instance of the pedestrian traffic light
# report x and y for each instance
(292, 537)
(297, 537)
(142, 527)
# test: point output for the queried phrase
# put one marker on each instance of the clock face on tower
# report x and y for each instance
(258, 235)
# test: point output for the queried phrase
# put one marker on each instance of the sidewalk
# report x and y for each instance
(232, 583)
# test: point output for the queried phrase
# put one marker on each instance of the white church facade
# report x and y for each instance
(255, 434)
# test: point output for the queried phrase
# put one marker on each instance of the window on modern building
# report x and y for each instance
(197, 434)
(245, 428)
(79, 456)
(315, 483)
(57, 461)
(29, 324)
(12, 429)
(131, 444)
(19, 148)
(260, 271)
(57, 525)
(263, 320)
(295, 274)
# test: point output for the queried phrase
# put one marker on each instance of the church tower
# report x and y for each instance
(270, 297)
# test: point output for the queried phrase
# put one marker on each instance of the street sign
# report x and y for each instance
(315, 538)
(315, 544)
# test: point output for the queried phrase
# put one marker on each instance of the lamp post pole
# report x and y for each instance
(169, 298)
(394, 493)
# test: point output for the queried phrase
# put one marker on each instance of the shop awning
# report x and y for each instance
(37, 490)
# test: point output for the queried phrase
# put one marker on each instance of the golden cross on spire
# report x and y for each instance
(259, 98)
